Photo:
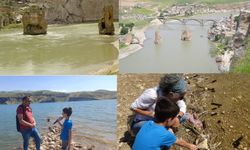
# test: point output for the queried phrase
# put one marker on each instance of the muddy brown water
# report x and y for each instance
(65, 49)
(172, 54)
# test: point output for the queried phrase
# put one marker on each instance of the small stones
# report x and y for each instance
(213, 113)
(236, 143)
(52, 141)
(203, 145)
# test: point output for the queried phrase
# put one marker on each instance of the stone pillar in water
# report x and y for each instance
(34, 22)
(157, 37)
(1, 22)
(186, 36)
(106, 23)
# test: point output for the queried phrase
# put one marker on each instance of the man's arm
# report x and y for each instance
(23, 122)
(34, 121)
(143, 102)
(144, 112)
(183, 143)
(183, 107)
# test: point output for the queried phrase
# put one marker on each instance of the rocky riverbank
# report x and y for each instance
(135, 39)
(51, 140)
(221, 102)
(230, 35)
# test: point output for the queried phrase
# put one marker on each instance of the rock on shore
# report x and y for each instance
(51, 141)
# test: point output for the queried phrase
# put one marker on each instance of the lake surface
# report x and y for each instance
(94, 122)
(66, 49)
(173, 55)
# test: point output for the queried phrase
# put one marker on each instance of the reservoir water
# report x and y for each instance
(94, 122)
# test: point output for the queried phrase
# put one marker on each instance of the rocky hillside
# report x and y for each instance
(51, 96)
(65, 11)
(75, 11)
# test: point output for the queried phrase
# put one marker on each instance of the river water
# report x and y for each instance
(66, 49)
(94, 122)
(173, 55)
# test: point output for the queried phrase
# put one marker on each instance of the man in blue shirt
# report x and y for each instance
(155, 135)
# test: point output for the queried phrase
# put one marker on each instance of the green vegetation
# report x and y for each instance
(126, 27)
(243, 65)
(122, 45)
(209, 2)
(219, 50)
(13, 26)
(137, 23)
(140, 10)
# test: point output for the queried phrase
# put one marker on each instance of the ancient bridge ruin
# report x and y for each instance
(185, 20)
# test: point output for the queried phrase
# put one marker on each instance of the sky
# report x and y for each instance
(58, 83)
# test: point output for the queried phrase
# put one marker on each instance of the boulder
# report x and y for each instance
(186, 36)
(34, 22)
(238, 40)
(128, 39)
(106, 23)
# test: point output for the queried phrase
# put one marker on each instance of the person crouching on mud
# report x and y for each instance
(66, 134)
(171, 86)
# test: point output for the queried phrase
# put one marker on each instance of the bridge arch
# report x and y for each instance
(209, 20)
(197, 20)
(164, 20)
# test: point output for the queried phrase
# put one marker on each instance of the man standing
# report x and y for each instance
(171, 86)
(27, 123)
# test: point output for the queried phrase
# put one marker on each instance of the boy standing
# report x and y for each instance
(66, 134)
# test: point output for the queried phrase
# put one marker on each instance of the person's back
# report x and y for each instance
(153, 137)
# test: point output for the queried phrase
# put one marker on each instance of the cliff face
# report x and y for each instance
(76, 11)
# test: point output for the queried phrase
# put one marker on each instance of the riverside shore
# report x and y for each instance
(140, 34)
(51, 140)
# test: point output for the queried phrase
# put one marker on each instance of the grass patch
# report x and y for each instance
(137, 23)
(13, 26)
(243, 65)
(142, 10)
(122, 45)
(209, 2)
(219, 49)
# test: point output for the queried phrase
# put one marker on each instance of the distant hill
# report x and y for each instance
(45, 96)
